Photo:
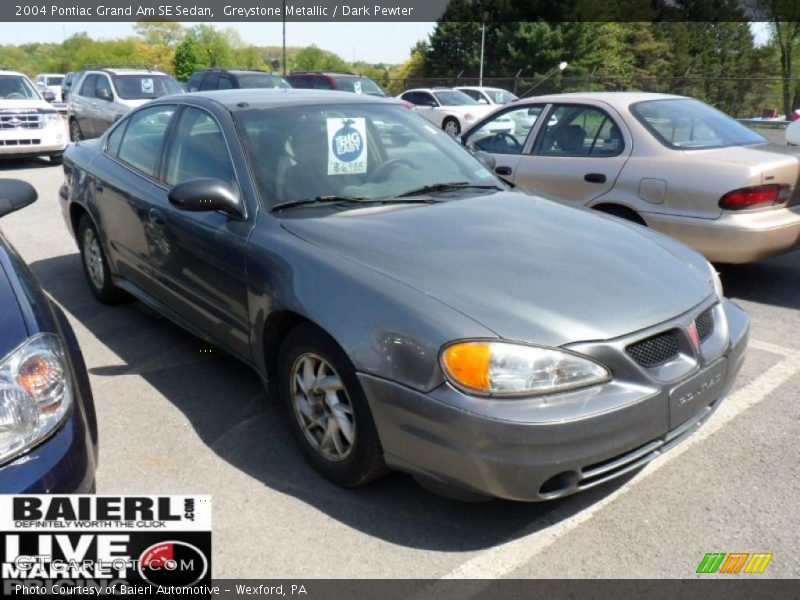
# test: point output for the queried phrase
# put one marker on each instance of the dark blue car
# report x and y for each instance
(48, 428)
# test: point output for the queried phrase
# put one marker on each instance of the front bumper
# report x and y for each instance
(505, 449)
(735, 237)
(46, 141)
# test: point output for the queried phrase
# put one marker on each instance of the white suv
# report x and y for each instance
(451, 110)
(100, 97)
(29, 126)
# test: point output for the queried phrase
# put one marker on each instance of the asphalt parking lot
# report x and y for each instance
(176, 416)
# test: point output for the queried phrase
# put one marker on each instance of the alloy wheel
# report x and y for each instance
(93, 258)
(322, 407)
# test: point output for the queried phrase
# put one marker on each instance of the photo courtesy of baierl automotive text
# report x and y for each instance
(399, 299)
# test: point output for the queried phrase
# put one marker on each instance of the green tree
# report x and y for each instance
(186, 59)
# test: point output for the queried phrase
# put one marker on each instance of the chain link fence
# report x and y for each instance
(739, 97)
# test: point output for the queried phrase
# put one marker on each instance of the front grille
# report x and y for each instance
(20, 120)
(12, 143)
(655, 350)
(705, 324)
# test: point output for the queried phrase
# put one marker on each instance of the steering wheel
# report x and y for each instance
(15, 96)
(384, 170)
(508, 140)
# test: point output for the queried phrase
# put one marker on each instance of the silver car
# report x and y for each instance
(669, 162)
(101, 96)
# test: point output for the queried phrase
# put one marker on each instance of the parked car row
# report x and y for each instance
(409, 308)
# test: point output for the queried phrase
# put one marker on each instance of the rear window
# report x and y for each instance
(55, 80)
(142, 87)
(686, 124)
(359, 85)
(262, 80)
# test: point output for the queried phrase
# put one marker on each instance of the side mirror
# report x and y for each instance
(205, 194)
(48, 95)
(487, 159)
(15, 194)
(104, 94)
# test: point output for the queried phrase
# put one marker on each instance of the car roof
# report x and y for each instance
(7, 72)
(479, 87)
(115, 71)
(615, 99)
(235, 100)
(235, 71)
(327, 74)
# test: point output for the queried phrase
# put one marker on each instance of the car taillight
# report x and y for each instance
(749, 197)
(408, 105)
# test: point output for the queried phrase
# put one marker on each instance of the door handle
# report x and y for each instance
(503, 170)
(594, 178)
(98, 187)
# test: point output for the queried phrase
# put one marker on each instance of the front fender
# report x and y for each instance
(386, 328)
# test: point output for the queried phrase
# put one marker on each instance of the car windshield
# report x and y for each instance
(691, 124)
(141, 87)
(262, 80)
(16, 87)
(453, 98)
(359, 85)
(365, 151)
(501, 96)
(55, 80)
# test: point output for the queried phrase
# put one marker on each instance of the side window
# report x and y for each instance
(115, 139)
(410, 97)
(103, 84)
(144, 137)
(573, 130)
(89, 84)
(321, 83)
(426, 99)
(210, 82)
(198, 150)
(194, 82)
(225, 83)
(506, 132)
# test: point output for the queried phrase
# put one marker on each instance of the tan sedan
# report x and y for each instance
(669, 162)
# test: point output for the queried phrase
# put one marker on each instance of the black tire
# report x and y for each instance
(623, 213)
(57, 159)
(75, 133)
(454, 122)
(364, 463)
(107, 292)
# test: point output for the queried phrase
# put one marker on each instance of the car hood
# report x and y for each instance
(12, 326)
(25, 105)
(528, 269)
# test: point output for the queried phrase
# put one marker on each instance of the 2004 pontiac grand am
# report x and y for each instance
(409, 309)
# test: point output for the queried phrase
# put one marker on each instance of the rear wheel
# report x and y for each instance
(328, 411)
(95, 264)
(451, 126)
(75, 131)
(622, 212)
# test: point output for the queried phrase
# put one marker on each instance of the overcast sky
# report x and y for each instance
(371, 42)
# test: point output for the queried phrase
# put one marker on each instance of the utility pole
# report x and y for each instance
(283, 14)
(483, 43)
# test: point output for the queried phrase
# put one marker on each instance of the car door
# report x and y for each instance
(577, 154)
(106, 111)
(492, 136)
(198, 258)
(83, 105)
(126, 186)
(425, 105)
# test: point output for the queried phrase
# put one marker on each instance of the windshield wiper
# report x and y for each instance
(340, 200)
(447, 187)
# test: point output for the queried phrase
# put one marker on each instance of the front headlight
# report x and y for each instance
(35, 393)
(508, 369)
(50, 118)
(716, 282)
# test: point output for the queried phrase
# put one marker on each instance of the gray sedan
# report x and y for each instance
(409, 310)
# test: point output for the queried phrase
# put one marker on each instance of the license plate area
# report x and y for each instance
(693, 395)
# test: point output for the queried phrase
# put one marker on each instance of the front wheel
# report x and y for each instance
(451, 126)
(75, 131)
(328, 411)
